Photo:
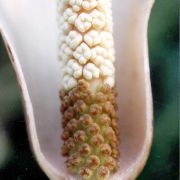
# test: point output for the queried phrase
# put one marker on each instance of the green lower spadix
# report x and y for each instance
(90, 130)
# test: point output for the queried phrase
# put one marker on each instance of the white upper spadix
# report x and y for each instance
(86, 27)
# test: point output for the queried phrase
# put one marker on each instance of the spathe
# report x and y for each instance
(30, 32)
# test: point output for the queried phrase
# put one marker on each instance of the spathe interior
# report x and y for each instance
(30, 32)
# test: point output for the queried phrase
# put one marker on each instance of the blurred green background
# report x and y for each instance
(17, 161)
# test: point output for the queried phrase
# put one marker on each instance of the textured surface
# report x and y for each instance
(132, 74)
(90, 130)
(86, 47)
(88, 106)
(163, 162)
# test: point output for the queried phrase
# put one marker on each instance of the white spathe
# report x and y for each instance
(30, 31)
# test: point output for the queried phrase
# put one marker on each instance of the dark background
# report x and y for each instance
(16, 159)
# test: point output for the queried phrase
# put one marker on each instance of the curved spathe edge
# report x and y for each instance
(50, 171)
(141, 161)
(138, 166)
